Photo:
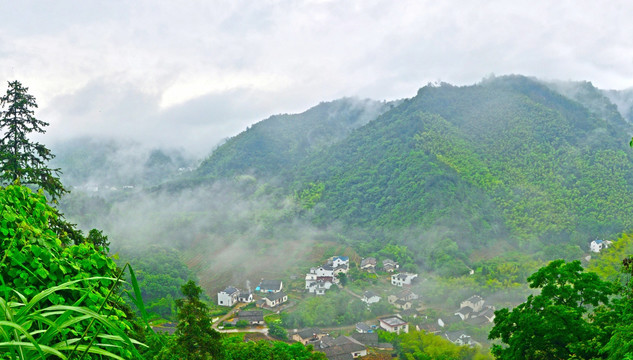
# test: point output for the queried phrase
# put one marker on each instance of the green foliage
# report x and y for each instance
(277, 331)
(31, 329)
(33, 258)
(553, 324)
(21, 160)
(160, 274)
(237, 349)
(332, 309)
(608, 262)
(194, 338)
(420, 345)
(34, 262)
(310, 195)
(241, 324)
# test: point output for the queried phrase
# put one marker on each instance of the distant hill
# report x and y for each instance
(281, 141)
(99, 163)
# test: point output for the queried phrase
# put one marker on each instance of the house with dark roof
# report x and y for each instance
(270, 286)
(363, 328)
(475, 302)
(409, 313)
(370, 297)
(367, 339)
(344, 346)
(254, 317)
(245, 296)
(389, 265)
(308, 335)
(368, 264)
(275, 299)
(464, 312)
(228, 296)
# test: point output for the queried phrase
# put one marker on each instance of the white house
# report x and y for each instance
(394, 324)
(245, 296)
(324, 271)
(475, 302)
(363, 328)
(370, 297)
(459, 338)
(228, 296)
(464, 312)
(403, 279)
(340, 261)
(274, 299)
(319, 287)
(311, 277)
(597, 245)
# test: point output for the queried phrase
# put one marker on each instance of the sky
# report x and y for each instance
(188, 74)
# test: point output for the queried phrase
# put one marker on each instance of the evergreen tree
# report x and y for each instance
(195, 339)
(22, 160)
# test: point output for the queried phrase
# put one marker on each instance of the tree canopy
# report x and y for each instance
(555, 324)
(22, 160)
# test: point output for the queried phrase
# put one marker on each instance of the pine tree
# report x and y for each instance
(22, 160)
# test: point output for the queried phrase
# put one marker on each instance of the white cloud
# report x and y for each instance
(102, 66)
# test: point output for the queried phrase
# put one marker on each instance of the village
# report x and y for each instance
(249, 309)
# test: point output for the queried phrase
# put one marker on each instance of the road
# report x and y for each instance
(246, 330)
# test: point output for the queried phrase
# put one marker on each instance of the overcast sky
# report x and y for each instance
(190, 73)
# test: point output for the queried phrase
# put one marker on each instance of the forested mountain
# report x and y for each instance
(509, 159)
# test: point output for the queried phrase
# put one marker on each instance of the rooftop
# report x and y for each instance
(230, 290)
(393, 321)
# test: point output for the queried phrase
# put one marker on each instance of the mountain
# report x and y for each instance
(456, 174)
(508, 161)
(281, 141)
(552, 167)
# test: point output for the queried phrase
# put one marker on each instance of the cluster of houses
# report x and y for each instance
(369, 264)
(270, 295)
(342, 347)
(475, 309)
(403, 300)
(318, 280)
(322, 278)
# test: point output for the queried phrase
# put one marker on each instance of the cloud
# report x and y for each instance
(119, 63)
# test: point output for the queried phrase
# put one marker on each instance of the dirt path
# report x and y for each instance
(228, 315)
(351, 293)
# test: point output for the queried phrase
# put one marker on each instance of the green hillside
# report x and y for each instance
(505, 153)
(282, 140)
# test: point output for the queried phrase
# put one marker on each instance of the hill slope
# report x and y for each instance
(508, 147)
(282, 140)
